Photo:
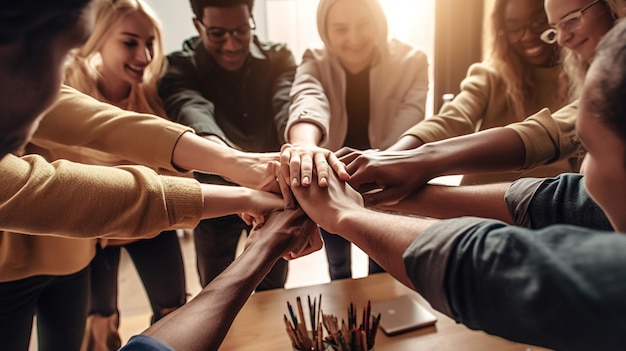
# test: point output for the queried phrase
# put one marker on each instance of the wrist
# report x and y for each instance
(266, 250)
(338, 219)
(305, 133)
(435, 160)
(347, 222)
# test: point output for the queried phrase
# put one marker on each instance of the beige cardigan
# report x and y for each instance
(482, 103)
(398, 84)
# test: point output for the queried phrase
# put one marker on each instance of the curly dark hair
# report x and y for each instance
(198, 5)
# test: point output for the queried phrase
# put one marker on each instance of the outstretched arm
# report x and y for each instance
(442, 202)
(112, 199)
(202, 323)
(196, 153)
(400, 173)
(384, 237)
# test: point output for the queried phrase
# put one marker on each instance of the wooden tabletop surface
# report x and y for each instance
(260, 326)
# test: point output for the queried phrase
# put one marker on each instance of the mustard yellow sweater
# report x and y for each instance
(80, 201)
(482, 103)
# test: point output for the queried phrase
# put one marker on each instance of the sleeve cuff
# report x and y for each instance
(426, 259)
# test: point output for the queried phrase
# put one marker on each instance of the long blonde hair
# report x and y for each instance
(82, 73)
(573, 66)
(514, 71)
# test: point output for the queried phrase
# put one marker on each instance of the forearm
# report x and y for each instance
(95, 201)
(406, 142)
(440, 201)
(305, 133)
(497, 271)
(193, 152)
(492, 150)
(78, 120)
(196, 153)
(384, 237)
(222, 200)
(207, 318)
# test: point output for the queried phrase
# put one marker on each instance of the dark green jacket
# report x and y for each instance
(249, 112)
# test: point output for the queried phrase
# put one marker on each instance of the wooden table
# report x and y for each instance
(259, 326)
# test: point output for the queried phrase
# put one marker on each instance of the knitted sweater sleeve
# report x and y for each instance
(77, 119)
(75, 200)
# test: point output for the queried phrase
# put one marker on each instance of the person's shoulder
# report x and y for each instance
(270, 47)
(483, 70)
(316, 53)
(400, 51)
(189, 48)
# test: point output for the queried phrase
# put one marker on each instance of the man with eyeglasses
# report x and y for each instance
(233, 89)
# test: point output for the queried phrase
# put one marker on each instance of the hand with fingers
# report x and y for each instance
(302, 163)
(386, 177)
(326, 205)
(289, 234)
(290, 231)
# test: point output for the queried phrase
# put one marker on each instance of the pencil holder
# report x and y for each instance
(331, 348)
(328, 347)
(325, 347)
(344, 336)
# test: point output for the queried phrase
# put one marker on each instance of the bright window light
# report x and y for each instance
(411, 21)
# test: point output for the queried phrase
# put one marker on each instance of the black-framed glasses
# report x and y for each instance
(219, 35)
(516, 32)
(569, 23)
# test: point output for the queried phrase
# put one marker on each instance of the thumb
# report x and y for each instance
(388, 196)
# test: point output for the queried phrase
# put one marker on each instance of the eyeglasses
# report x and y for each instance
(218, 35)
(515, 33)
(569, 23)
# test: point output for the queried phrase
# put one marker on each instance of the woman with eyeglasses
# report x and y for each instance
(521, 76)
(543, 138)
(578, 28)
(360, 90)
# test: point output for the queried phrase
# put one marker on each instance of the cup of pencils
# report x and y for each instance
(344, 336)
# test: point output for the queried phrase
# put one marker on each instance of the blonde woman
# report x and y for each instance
(119, 64)
(119, 67)
(43, 273)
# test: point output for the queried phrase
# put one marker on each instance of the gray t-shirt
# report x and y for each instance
(557, 279)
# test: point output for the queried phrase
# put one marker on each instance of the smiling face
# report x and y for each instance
(231, 54)
(31, 71)
(351, 32)
(524, 21)
(597, 20)
(127, 51)
(605, 168)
